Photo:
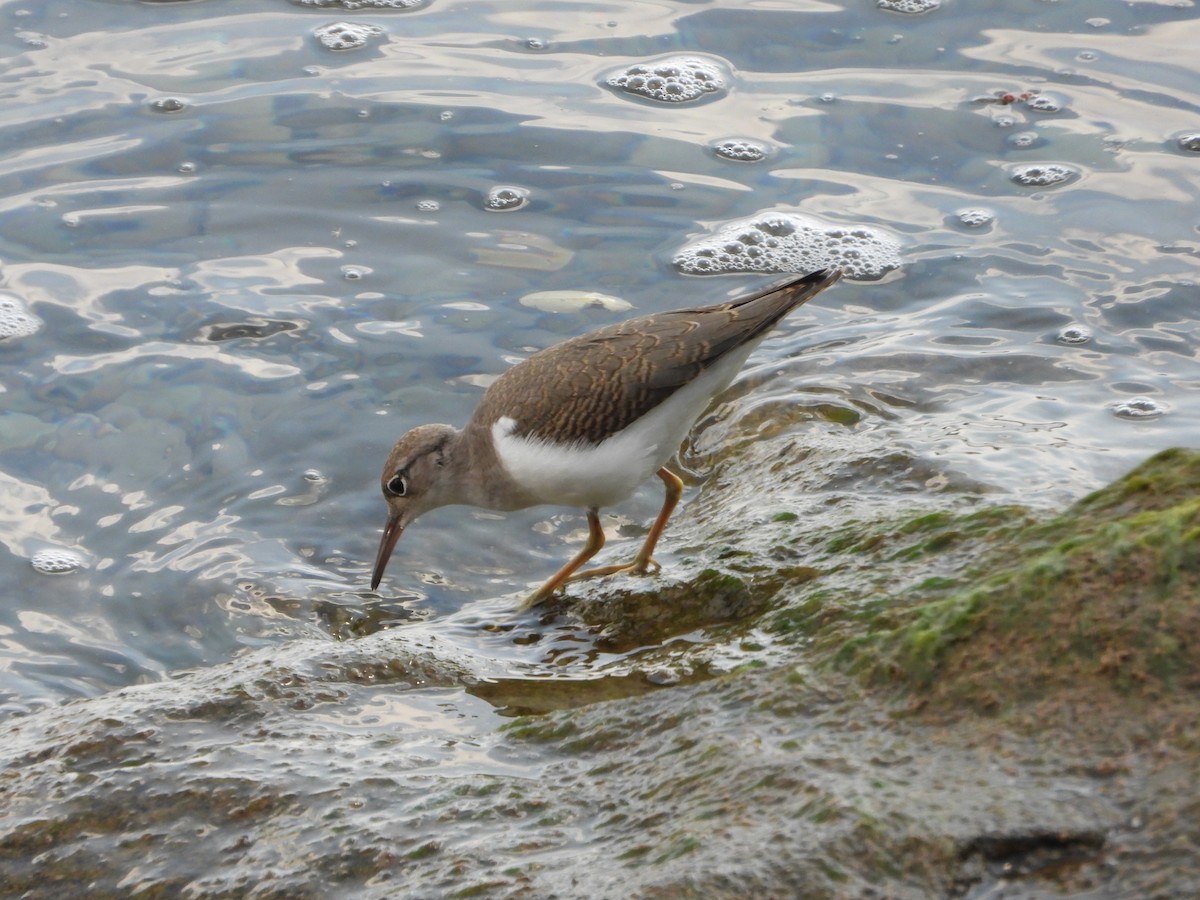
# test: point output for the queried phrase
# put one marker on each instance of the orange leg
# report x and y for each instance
(594, 542)
(644, 561)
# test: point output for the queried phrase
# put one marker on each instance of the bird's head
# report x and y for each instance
(415, 480)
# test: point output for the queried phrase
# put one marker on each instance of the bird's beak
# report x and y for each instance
(391, 533)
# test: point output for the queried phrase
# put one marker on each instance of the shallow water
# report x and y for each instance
(256, 261)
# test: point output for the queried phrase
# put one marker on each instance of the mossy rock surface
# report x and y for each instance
(1106, 594)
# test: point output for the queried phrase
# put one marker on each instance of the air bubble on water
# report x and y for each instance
(15, 319)
(186, 168)
(428, 205)
(535, 44)
(1042, 174)
(1138, 408)
(1024, 139)
(740, 150)
(1074, 334)
(315, 476)
(446, 115)
(355, 273)
(56, 561)
(506, 199)
(780, 243)
(674, 80)
(909, 7)
(1044, 103)
(346, 35)
(361, 4)
(976, 217)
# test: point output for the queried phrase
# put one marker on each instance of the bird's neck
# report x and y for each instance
(478, 476)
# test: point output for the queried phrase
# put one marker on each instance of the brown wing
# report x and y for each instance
(588, 387)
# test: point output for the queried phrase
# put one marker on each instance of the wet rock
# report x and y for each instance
(843, 755)
(1102, 599)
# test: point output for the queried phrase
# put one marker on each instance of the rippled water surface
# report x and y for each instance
(244, 246)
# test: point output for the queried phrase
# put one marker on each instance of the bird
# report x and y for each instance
(584, 422)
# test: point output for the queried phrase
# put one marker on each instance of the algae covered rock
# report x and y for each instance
(1106, 594)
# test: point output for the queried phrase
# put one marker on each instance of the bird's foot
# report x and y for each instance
(637, 567)
(541, 595)
(547, 590)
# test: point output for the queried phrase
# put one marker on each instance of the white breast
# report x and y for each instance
(598, 475)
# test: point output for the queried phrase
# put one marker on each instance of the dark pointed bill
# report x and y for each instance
(391, 533)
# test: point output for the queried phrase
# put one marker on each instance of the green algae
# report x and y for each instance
(1110, 589)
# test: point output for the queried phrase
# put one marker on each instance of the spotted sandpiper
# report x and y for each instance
(586, 421)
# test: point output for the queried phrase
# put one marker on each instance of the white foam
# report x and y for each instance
(55, 561)
(780, 243)
(674, 80)
(15, 319)
(346, 35)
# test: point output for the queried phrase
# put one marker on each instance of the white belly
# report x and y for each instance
(597, 475)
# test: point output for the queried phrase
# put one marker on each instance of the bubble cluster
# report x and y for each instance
(346, 35)
(740, 150)
(1022, 140)
(976, 217)
(909, 7)
(789, 242)
(1044, 103)
(1074, 334)
(674, 80)
(1138, 408)
(1190, 141)
(361, 4)
(15, 319)
(428, 206)
(1043, 174)
(55, 561)
(506, 199)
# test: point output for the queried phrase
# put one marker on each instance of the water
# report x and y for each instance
(257, 259)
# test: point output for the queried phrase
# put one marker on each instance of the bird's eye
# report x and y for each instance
(397, 485)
